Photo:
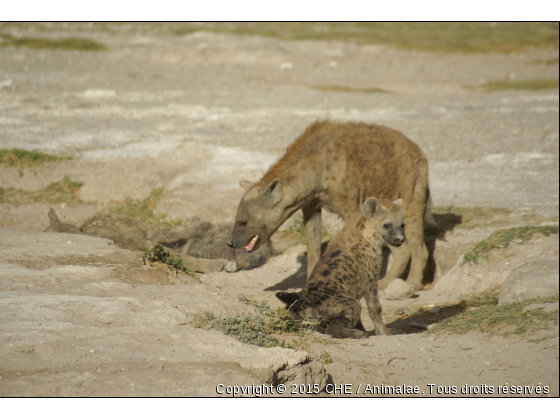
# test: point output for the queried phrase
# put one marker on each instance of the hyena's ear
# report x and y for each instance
(370, 207)
(246, 185)
(398, 202)
(273, 192)
(293, 301)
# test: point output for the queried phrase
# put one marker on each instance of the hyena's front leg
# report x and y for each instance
(401, 256)
(374, 308)
(313, 230)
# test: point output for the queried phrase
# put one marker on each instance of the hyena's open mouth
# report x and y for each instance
(251, 244)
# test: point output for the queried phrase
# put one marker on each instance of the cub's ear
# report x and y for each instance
(293, 301)
(273, 192)
(398, 202)
(370, 207)
(246, 185)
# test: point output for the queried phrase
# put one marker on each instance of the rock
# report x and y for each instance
(530, 280)
(546, 307)
(435, 310)
(98, 94)
(403, 310)
(464, 280)
(398, 289)
(7, 85)
(418, 325)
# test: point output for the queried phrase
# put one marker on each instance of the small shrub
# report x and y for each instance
(157, 253)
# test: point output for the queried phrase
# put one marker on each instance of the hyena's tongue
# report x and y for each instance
(251, 244)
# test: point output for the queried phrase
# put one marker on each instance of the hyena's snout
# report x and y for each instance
(398, 240)
(229, 241)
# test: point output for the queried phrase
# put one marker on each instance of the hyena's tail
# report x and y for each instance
(428, 217)
(53, 218)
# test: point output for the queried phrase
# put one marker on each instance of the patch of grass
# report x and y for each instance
(143, 210)
(73, 43)
(65, 191)
(257, 329)
(26, 158)
(334, 88)
(326, 358)
(157, 253)
(503, 237)
(463, 37)
(535, 84)
(487, 317)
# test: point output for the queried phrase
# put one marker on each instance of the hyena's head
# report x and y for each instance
(260, 213)
(297, 304)
(385, 218)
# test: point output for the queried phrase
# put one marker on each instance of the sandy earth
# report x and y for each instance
(195, 115)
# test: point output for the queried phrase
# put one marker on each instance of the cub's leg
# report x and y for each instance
(374, 308)
(347, 320)
(313, 230)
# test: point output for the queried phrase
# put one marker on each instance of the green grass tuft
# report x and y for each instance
(25, 158)
(487, 317)
(503, 237)
(536, 84)
(157, 253)
(73, 43)
(143, 210)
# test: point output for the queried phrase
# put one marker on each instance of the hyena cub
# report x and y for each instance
(348, 271)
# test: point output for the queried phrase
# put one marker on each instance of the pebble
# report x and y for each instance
(403, 310)
(435, 310)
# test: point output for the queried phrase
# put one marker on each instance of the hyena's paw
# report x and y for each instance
(210, 266)
(337, 330)
(230, 266)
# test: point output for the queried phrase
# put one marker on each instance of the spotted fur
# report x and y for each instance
(348, 271)
(336, 167)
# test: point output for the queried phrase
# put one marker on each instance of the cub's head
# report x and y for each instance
(386, 219)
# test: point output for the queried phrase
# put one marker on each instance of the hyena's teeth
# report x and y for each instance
(251, 244)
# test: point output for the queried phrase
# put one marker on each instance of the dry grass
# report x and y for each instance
(143, 210)
(484, 315)
(461, 37)
(73, 43)
(503, 237)
(536, 84)
(65, 191)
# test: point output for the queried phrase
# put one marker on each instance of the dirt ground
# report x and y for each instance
(195, 114)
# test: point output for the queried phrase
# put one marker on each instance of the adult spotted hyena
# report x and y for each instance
(336, 166)
(348, 271)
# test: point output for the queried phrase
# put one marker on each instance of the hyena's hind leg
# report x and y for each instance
(347, 323)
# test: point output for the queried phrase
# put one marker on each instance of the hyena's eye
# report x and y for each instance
(242, 224)
(387, 225)
(402, 226)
